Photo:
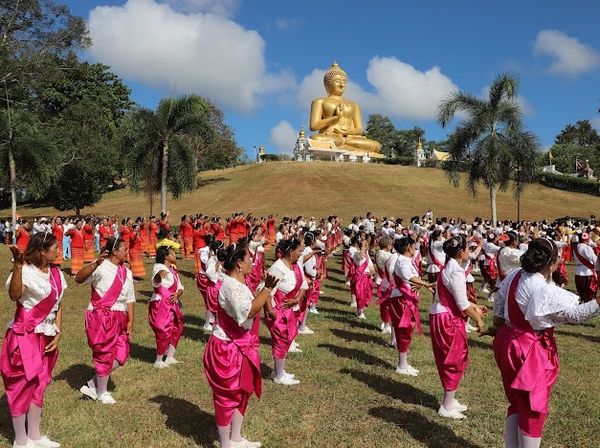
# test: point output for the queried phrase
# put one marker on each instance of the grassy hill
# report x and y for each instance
(322, 188)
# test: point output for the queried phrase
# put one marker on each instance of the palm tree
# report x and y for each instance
(490, 142)
(164, 146)
(26, 154)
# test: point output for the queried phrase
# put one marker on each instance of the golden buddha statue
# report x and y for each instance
(338, 119)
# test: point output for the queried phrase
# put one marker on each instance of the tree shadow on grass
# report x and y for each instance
(480, 343)
(358, 337)
(339, 288)
(6, 428)
(142, 353)
(354, 322)
(394, 389)
(428, 432)
(329, 299)
(587, 337)
(187, 274)
(187, 419)
(358, 355)
(346, 313)
(191, 319)
(77, 375)
(195, 334)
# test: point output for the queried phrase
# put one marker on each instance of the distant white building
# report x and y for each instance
(307, 150)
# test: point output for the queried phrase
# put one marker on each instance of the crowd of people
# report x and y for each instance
(522, 265)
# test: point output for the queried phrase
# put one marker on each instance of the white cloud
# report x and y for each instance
(226, 8)
(201, 53)
(399, 89)
(571, 57)
(283, 137)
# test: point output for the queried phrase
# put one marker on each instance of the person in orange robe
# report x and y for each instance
(152, 239)
(144, 234)
(57, 231)
(136, 260)
(198, 243)
(271, 230)
(88, 241)
(105, 231)
(186, 237)
(77, 247)
(23, 235)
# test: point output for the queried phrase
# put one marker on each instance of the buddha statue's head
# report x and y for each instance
(335, 80)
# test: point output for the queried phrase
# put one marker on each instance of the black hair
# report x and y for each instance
(287, 246)
(230, 255)
(112, 244)
(402, 244)
(309, 238)
(161, 234)
(452, 246)
(161, 253)
(209, 238)
(541, 252)
(215, 245)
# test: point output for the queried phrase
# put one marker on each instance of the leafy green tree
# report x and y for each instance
(406, 141)
(164, 145)
(32, 34)
(381, 129)
(221, 151)
(581, 134)
(26, 154)
(77, 186)
(491, 138)
(565, 154)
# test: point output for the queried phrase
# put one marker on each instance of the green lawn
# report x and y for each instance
(349, 394)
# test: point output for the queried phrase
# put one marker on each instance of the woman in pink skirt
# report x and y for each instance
(30, 346)
(164, 310)
(109, 316)
(281, 318)
(527, 308)
(447, 321)
(231, 357)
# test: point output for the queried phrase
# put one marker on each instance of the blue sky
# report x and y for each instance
(262, 61)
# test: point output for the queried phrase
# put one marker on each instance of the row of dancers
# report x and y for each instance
(527, 305)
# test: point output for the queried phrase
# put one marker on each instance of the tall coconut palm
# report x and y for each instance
(490, 141)
(163, 145)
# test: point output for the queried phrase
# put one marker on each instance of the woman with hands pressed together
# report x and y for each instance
(30, 347)
(231, 357)
(109, 317)
(164, 311)
(404, 302)
(447, 320)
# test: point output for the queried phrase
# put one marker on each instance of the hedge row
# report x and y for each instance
(569, 183)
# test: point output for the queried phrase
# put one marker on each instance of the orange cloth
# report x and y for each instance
(76, 259)
(137, 263)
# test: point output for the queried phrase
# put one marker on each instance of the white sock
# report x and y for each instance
(393, 337)
(511, 431)
(279, 368)
(236, 426)
(448, 401)
(529, 442)
(224, 436)
(159, 358)
(170, 352)
(19, 427)
(403, 360)
(101, 384)
(302, 325)
(34, 418)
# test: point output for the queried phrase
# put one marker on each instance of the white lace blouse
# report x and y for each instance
(37, 287)
(543, 304)
(102, 279)
(235, 299)
(167, 281)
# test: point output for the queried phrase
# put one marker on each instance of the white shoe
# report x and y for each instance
(171, 361)
(106, 398)
(452, 413)
(471, 328)
(388, 329)
(27, 445)
(89, 390)
(353, 303)
(44, 442)
(408, 371)
(245, 444)
(459, 407)
(305, 330)
(321, 292)
(492, 297)
(361, 315)
(382, 326)
(160, 365)
(314, 311)
(294, 349)
(347, 283)
(286, 374)
(286, 381)
(485, 291)
(207, 328)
